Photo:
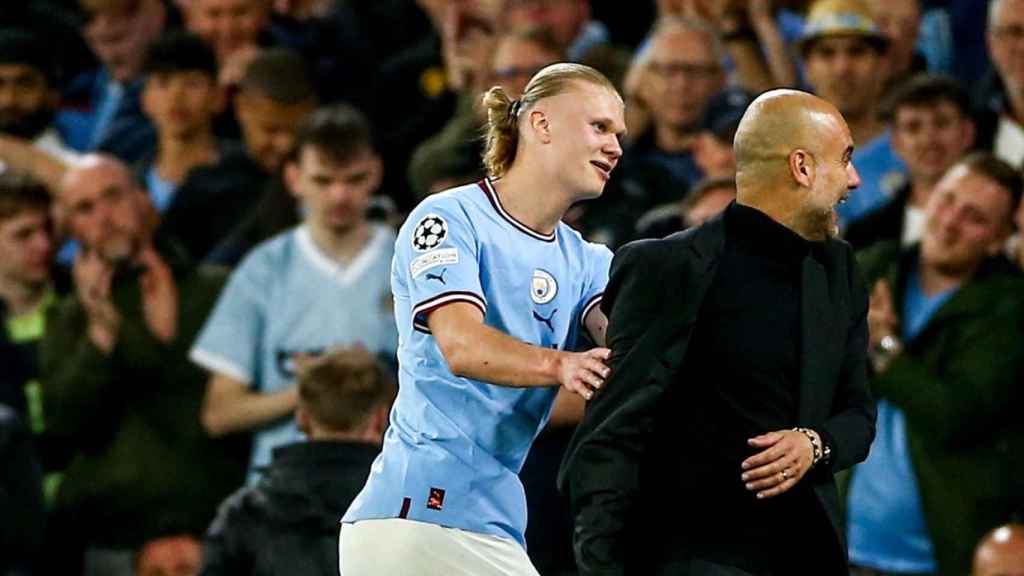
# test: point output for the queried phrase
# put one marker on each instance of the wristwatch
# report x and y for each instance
(889, 344)
(888, 348)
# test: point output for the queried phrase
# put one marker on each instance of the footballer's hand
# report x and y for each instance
(584, 373)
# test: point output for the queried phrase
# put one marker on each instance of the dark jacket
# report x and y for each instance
(143, 465)
(21, 500)
(616, 468)
(958, 384)
(219, 197)
(288, 522)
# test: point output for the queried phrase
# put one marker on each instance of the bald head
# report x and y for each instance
(793, 161)
(106, 209)
(778, 122)
(92, 166)
(1001, 552)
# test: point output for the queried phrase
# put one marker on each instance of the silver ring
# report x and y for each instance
(785, 474)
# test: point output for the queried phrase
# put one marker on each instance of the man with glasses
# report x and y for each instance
(1001, 124)
(681, 71)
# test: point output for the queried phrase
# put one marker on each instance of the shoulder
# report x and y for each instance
(234, 510)
(270, 255)
(875, 261)
(452, 212)
(458, 200)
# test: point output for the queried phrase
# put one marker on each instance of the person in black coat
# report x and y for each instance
(287, 523)
(738, 383)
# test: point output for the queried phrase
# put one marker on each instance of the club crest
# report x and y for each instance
(543, 288)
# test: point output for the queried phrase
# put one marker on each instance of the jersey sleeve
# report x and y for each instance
(598, 261)
(437, 253)
(230, 341)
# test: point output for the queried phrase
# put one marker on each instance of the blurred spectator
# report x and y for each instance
(1001, 122)
(681, 73)
(286, 524)
(104, 111)
(753, 34)
(844, 56)
(1000, 552)
(28, 92)
(712, 151)
(170, 556)
(683, 64)
(944, 466)
(116, 381)
(241, 199)
(320, 285)
(900, 22)
(568, 22)
(931, 129)
(26, 290)
(233, 28)
(29, 95)
(181, 98)
(438, 163)
(707, 199)
(21, 530)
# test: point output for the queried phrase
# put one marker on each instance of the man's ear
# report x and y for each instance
(540, 126)
(801, 167)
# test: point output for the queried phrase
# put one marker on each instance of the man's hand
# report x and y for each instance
(159, 296)
(882, 319)
(785, 457)
(584, 372)
(92, 277)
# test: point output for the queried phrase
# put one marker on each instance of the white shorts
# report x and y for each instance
(397, 547)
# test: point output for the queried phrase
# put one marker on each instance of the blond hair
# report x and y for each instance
(503, 113)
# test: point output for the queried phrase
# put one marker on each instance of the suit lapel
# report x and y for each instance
(822, 302)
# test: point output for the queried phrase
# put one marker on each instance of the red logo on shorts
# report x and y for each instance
(436, 499)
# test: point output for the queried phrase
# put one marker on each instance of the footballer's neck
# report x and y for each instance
(532, 197)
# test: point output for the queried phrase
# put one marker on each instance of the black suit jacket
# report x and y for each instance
(616, 482)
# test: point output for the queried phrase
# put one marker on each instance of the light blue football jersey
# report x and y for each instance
(455, 446)
(288, 297)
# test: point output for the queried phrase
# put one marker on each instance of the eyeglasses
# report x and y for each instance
(689, 70)
(1011, 32)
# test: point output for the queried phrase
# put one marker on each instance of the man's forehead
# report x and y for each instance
(934, 107)
(975, 189)
(666, 44)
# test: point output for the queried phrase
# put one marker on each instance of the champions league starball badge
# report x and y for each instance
(429, 233)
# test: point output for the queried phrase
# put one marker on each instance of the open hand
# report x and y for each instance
(785, 457)
(584, 372)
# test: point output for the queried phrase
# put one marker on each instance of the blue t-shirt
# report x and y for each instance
(161, 191)
(881, 174)
(288, 297)
(887, 529)
(455, 446)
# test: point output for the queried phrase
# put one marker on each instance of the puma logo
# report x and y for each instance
(438, 277)
(547, 320)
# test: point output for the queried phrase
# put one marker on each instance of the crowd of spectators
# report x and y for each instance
(198, 205)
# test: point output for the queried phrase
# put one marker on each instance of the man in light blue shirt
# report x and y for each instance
(492, 292)
(319, 286)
